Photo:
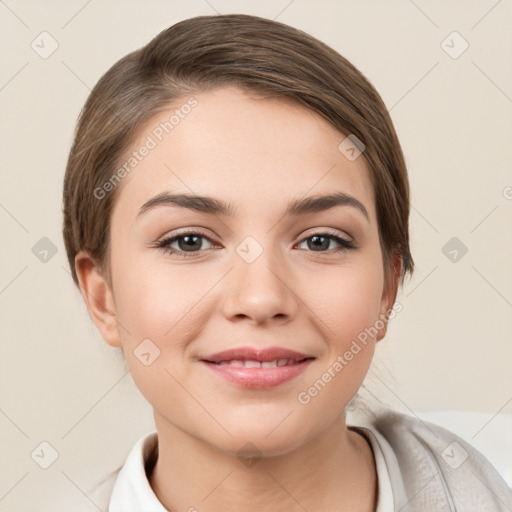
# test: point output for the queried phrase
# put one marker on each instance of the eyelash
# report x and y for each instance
(164, 244)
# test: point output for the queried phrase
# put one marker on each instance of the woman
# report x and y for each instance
(236, 209)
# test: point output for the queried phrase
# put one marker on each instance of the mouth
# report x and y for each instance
(257, 369)
(248, 363)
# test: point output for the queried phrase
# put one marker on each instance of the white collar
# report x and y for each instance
(133, 493)
(385, 501)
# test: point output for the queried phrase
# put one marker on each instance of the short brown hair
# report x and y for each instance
(255, 54)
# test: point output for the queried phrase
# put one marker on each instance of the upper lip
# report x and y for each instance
(253, 354)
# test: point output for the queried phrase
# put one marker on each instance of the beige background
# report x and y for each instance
(450, 347)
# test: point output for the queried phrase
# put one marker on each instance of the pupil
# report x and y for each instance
(186, 239)
(316, 238)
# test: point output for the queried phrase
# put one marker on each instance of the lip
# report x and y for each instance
(257, 378)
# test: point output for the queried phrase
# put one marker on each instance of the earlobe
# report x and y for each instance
(389, 295)
(98, 298)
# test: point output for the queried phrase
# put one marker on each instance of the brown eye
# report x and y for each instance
(186, 244)
(321, 242)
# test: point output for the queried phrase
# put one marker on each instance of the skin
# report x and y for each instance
(257, 154)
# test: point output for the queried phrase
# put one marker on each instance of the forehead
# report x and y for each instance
(248, 150)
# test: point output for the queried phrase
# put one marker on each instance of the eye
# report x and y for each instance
(319, 241)
(189, 244)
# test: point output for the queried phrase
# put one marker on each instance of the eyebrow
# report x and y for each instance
(214, 206)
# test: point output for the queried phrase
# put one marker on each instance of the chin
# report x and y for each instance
(264, 438)
(260, 446)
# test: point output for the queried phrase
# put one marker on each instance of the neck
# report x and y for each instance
(335, 471)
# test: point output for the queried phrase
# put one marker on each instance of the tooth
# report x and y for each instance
(257, 364)
(252, 364)
(235, 362)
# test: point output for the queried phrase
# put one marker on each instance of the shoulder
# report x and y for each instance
(101, 491)
(432, 468)
(129, 478)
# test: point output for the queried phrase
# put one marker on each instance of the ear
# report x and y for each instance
(389, 294)
(99, 298)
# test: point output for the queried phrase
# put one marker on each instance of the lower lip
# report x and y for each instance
(258, 378)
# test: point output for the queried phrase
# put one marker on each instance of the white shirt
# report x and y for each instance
(133, 493)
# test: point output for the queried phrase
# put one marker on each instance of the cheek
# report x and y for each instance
(150, 296)
(164, 304)
(156, 310)
(350, 300)
(350, 310)
(357, 308)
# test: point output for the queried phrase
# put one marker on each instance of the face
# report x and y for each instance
(188, 285)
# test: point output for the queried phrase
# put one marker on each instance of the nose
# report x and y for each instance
(260, 291)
